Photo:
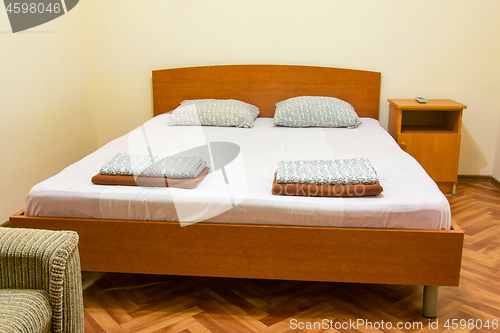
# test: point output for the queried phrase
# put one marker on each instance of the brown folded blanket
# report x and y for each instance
(308, 190)
(188, 183)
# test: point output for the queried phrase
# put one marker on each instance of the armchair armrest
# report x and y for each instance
(45, 260)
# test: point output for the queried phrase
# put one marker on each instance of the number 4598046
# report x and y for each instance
(455, 324)
(33, 8)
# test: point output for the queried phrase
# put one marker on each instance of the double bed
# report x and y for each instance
(231, 225)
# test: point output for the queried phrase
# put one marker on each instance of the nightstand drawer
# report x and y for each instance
(437, 154)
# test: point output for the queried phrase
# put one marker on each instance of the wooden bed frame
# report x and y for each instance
(363, 255)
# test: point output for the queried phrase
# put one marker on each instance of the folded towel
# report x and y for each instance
(124, 164)
(327, 172)
(188, 183)
(313, 190)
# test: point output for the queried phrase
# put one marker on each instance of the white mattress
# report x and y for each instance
(410, 198)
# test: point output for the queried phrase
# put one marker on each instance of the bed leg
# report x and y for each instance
(429, 308)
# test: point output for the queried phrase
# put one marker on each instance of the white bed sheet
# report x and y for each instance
(410, 198)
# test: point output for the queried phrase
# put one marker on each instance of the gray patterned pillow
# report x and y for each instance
(350, 171)
(315, 111)
(214, 112)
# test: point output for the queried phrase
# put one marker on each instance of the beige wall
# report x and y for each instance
(48, 121)
(436, 49)
(496, 165)
(105, 50)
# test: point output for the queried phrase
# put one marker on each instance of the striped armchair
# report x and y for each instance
(40, 281)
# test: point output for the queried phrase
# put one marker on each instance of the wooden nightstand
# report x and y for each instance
(430, 132)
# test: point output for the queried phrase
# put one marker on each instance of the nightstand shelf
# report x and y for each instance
(431, 133)
(428, 129)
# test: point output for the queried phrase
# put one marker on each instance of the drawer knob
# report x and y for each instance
(403, 145)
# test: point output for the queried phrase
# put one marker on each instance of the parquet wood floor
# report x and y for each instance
(148, 303)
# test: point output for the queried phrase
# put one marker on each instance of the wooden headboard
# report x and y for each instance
(265, 85)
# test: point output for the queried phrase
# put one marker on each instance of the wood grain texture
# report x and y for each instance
(495, 182)
(265, 85)
(149, 303)
(429, 257)
(437, 154)
(431, 133)
(432, 104)
(477, 178)
(474, 178)
(445, 187)
(394, 125)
